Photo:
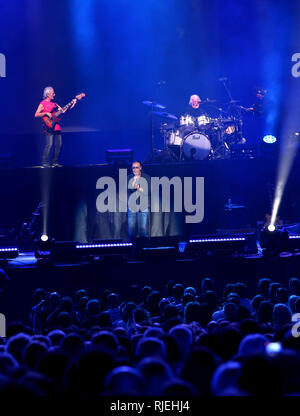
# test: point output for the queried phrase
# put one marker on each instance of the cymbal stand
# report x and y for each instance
(153, 102)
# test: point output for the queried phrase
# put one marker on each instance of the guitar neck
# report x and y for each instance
(70, 104)
(65, 108)
(57, 113)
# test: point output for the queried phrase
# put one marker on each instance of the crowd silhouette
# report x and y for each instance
(183, 341)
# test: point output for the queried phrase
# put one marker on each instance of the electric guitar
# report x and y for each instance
(51, 122)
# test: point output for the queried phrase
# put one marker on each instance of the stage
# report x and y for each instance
(69, 196)
(69, 213)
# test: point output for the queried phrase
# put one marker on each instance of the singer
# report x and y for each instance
(138, 218)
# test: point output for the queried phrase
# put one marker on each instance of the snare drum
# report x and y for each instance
(186, 120)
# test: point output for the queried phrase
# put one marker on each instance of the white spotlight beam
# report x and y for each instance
(287, 155)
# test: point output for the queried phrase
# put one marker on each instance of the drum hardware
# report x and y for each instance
(174, 138)
(165, 115)
(156, 106)
(214, 134)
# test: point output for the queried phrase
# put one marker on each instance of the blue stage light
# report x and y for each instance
(3, 250)
(88, 246)
(217, 240)
(8, 253)
(104, 248)
(269, 139)
(217, 243)
(294, 236)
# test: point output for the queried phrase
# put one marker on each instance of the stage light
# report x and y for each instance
(273, 241)
(218, 243)
(43, 247)
(294, 242)
(217, 240)
(269, 139)
(88, 246)
(288, 152)
(104, 248)
(8, 253)
(294, 236)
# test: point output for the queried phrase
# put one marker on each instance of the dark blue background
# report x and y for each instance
(117, 50)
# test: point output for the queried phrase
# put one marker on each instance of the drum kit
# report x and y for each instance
(207, 136)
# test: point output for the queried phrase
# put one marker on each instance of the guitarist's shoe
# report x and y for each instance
(45, 165)
(56, 165)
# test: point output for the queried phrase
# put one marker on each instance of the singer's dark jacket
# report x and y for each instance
(141, 194)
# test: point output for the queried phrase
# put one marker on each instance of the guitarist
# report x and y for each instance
(53, 136)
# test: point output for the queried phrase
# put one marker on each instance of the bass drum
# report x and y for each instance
(196, 146)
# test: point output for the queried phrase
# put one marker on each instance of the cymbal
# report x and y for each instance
(165, 115)
(154, 105)
(208, 101)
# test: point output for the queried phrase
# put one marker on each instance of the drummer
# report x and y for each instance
(195, 108)
(195, 101)
(188, 121)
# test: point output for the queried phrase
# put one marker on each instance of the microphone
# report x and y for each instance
(223, 79)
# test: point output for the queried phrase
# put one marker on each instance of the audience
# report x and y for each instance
(183, 341)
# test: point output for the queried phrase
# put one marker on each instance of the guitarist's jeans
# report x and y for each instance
(50, 138)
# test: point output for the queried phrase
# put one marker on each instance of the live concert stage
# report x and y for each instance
(150, 205)
(237, 194)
